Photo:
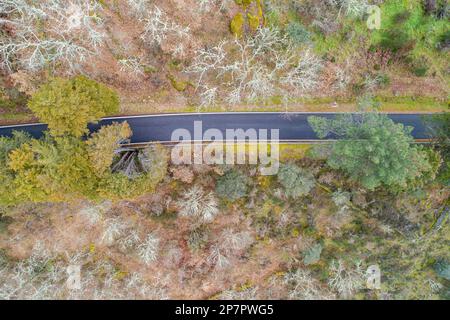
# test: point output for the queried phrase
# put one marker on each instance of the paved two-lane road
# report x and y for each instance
(292, 126)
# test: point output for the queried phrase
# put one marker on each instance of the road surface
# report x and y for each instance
(159, 127)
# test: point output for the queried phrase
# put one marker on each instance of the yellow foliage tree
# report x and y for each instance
(52, 170)
(68, 105)
(102, 145)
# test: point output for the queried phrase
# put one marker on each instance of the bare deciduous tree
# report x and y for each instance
(160, 28)
(71, 33)
(210, 5)
(138, 8)
(217, 258)
(345, 280)
(352, 8)
(232, 242)
(302, 285)
(131, 65)
(148, 250)
(254, 68)
(114, 228)
(197, 203)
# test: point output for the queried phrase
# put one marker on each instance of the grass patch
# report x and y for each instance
(287, 152)
(408, 29)
(412, 104)
(389, 104)
(7, 118)
(290, 152)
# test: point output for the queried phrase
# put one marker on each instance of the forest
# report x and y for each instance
(136, 225)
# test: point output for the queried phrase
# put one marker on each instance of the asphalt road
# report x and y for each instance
(294, 127)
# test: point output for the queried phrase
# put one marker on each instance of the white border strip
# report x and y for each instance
(21, 125)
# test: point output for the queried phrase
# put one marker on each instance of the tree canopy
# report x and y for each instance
(233, 185)
(68, 168)
(374, 150)
(6, 175)
(103, 144)
(439, 127)
(65, 165)
(68, 105)
(51, 169)
(296, 181)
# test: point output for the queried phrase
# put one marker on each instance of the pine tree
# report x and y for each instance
(374, 151)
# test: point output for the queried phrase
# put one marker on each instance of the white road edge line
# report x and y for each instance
(287, 141)
(215, 113)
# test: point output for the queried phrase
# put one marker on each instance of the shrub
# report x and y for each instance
(12, 99)
(67, 106)
(296, 181)
(396, 40)
(354, 8)
(178, 85)
(420, 66)
(303, 286)
(312, 256)
(197, 203)
(7, 144)
(233, 185)
(114, 229)
(198, 238)
(344, 279)
(341, 198)
(442, 269)
(161, 31)
(436, 8)
(239, 294)
(243, 3)
(232, 242)
(183, 173)
(439, 127)
(217, 258)
(148, 250)
(237, 25)
(154, 160)
(119, 186)
(443, 40)
(253, 22)
(298, 33)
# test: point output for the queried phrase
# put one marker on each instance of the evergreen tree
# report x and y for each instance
(374, 150)
(233, 185)
(68, 105)
(102, 145)
(296, 181)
